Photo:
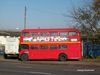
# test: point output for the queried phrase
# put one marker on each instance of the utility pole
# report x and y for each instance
(25, 17)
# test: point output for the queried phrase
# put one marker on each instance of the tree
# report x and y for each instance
(87, 18)
(97, 6)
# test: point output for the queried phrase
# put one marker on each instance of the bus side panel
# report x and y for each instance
(40, 54)
(74, 51)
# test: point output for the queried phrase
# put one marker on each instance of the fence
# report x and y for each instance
(90, 49)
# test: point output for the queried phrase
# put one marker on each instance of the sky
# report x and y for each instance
(39, 14)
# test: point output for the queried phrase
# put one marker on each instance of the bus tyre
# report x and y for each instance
(24, 57)
(62, 57)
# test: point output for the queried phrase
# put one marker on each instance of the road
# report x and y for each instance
(23, 68)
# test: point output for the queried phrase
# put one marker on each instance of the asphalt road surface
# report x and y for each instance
(21, 68)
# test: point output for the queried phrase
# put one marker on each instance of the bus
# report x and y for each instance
(50, 44)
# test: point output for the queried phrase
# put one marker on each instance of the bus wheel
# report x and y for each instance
(24, 57)
(62, 57)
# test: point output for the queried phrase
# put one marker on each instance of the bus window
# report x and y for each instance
(25, 34)
(34, 47)
(62, 46)
(43, 47)
(53, 47)
(24, 46)
(72, 33)
(34, 33)
(43, 34)
(63, 33)
(53, 33)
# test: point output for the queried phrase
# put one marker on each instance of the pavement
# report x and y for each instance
(89, 62)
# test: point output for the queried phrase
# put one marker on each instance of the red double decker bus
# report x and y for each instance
(51, 44)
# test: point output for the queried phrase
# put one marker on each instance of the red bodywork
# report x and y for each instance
(73, 49)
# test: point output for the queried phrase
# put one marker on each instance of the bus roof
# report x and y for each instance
(49, 29)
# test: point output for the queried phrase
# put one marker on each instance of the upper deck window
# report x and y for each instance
(43, 34)
(53, 33)
(25, 34)
(72, 33)
(63, 33)
(34, 33)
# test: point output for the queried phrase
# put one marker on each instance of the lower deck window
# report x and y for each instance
(43, 47)
(62, 46)
(34, 47)
(24, 46)
(46, 46)
(53, 47)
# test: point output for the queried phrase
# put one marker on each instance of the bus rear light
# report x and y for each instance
(74, 40)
